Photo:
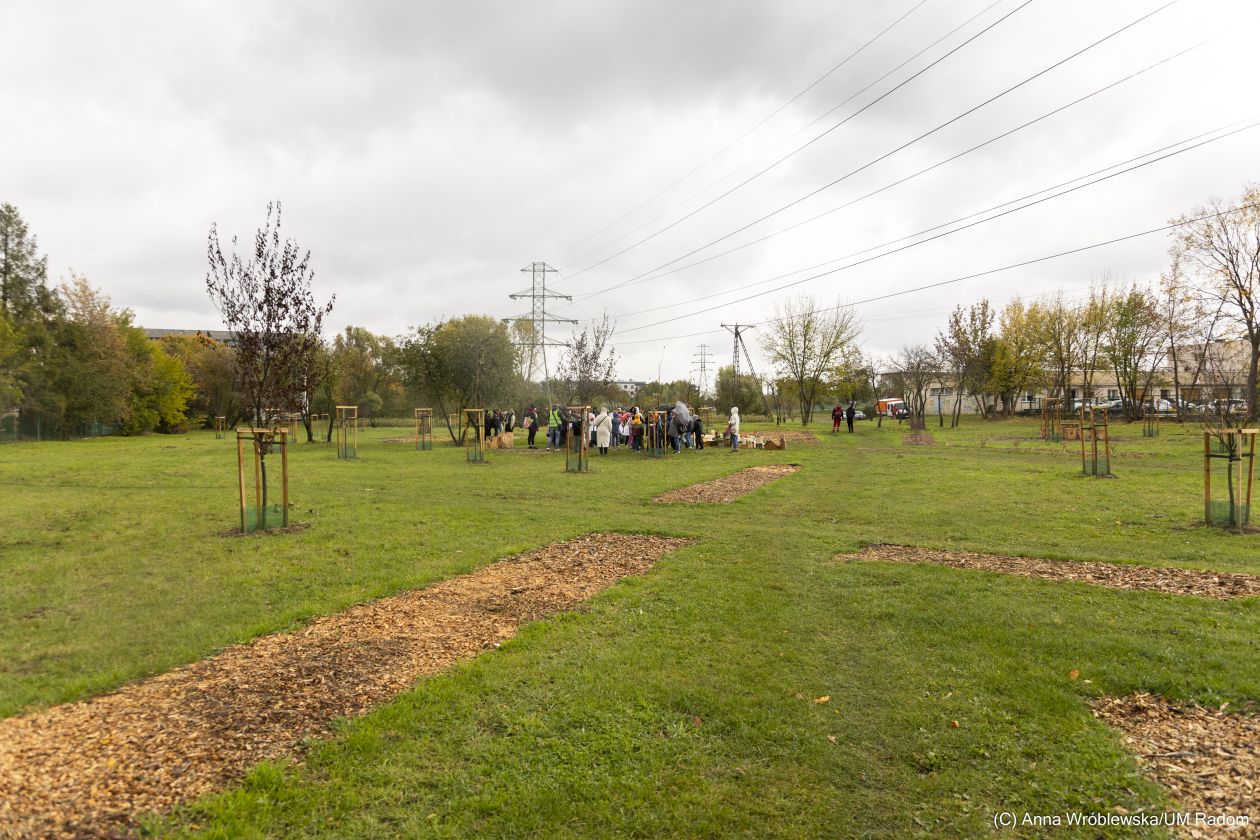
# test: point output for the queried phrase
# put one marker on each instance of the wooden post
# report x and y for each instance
(240, 472)
(284, 472)
(1251, 468)
(1083, 470)
(258, 508)
(1207, 478)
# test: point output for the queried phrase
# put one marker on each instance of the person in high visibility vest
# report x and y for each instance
(553, 428)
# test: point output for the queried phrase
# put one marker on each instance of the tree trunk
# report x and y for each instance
(1253, 409)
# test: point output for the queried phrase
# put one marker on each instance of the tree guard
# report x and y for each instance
(1150, 419)
(347, 431)
(577, 450)
(1234, 448)
(1095, 459)
(424, 429)
(474, 422)
(220, 427)
(262, 514)
(654, 435)
(1052, 419)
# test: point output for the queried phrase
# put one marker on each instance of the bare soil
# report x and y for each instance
(90, 768)
(1208, 759)
(1220, 585)
(728, 488)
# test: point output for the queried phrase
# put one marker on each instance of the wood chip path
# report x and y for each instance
(1221, 585)
(728, 488)
(89, 768)
(1208, 759)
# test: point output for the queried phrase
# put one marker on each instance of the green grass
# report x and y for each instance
(681, 703)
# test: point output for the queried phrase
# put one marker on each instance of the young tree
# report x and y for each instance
(960, 348)
(912, 374)
(1016, 359)
(741, 390)
(1224, 248)
(1135, 347)
(267, 304)
(466, 362)
(1094, 322)
(805, 341)
(1061, 339)
(212, 366)
(588, 367)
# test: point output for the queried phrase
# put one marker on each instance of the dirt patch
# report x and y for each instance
(919, 438)
(401, 440)
(90, 768)
(728, 488)
(1221, 585)
(788, 437)
(295, 528)
(1208, 759)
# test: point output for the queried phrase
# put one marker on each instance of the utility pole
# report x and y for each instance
(702, 359)
(538, 319)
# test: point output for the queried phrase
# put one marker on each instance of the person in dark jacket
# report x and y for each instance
(531, 423)
(849, 413)
(697, 432)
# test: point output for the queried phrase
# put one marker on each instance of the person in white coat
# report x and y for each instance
(732, 426)
(603, 430)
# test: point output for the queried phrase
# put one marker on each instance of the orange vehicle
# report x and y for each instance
(892, 407)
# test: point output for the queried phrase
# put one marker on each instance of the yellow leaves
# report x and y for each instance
(1073, 674)
(826, 698)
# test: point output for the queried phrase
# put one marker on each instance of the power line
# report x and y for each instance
(649, 276)
(801, 130)
(888, 154)
(737, 140)
(1012, 266)
(930, 230)
(806, 145)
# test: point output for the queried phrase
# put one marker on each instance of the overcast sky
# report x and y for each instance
(426, 152)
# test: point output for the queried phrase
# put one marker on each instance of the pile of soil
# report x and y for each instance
(90, 768)
(1208, 759)
(1220, 585)
(730, 487)
(919, 438)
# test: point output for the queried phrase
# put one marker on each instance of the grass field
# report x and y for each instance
(680, 703)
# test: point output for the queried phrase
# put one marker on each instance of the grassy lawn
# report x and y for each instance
(681, 703)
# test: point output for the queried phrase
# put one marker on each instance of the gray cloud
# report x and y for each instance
(425, 152)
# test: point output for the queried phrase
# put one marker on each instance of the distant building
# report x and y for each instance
(630, 387)
(223, 336)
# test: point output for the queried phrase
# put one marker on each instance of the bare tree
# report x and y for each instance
(805, 342)
(913, 372)
(588, 367)
(267, 304)
(1223, 244)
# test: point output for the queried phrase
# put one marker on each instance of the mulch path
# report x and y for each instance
(728, 488)
(1221, 585)
(1207, 758)
(90, 768)
(401, 440)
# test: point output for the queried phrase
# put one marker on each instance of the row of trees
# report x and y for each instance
(1182, 332)
(71, 363)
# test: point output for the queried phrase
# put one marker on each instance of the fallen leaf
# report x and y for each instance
(831, 738)
(954, 724)
(826, 698)
(1073, 674)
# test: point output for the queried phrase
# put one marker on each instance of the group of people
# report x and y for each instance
(500, 422)
(840, 414)
(678, 427)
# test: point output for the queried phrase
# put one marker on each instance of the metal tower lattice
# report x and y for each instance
(538, 318)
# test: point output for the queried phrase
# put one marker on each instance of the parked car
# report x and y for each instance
(859, 415)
